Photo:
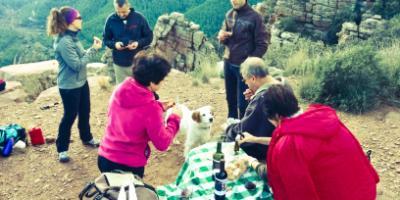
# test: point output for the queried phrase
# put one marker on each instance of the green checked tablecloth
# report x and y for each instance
(196, 176)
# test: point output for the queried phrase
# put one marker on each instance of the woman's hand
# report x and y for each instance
(247, 137)
(176, 111)
(97, 43)
(167, 104)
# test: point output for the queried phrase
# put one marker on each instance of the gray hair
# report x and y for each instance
(253, 66)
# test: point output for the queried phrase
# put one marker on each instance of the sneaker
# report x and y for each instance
(92, 143)
(63, 157)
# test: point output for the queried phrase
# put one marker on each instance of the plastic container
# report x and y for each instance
(8, 147)
(36, 136)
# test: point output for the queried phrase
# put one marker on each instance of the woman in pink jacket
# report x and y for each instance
(312, 155)
(135, 118)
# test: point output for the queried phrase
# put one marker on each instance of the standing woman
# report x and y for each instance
(65, 24)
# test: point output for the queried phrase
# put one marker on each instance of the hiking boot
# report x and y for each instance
(63, 157)
(92, 143)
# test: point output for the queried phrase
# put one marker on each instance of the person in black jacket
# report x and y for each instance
(126, 32)
(257, 78)
(244, 35)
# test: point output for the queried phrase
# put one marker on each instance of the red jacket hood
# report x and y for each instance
(318, 121)
(132, 94)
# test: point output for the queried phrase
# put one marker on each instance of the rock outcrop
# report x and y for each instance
(316, 15)
(33, 78)
(182, 42)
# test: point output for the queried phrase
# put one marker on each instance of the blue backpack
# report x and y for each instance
(14, 131)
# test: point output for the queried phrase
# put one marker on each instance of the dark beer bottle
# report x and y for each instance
(220, 182)
(218, 155)
(236, 147)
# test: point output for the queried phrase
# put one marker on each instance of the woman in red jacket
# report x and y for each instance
(312, 155)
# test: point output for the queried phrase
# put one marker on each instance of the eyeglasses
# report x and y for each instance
(78, 18)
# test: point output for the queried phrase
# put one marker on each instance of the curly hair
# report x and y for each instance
(150, 67)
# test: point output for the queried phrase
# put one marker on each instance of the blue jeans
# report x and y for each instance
(234, 87)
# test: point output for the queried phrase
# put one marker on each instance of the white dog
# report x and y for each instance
(196, 125)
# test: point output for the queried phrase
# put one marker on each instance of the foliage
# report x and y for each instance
(288, 24)
(292, 56)
(386, 8)
(342, 16)
(390, 62)
(350, 80)
(386, 37)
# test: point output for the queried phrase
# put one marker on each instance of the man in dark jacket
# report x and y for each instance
(244, 34)
(257, 78)
(126, 32)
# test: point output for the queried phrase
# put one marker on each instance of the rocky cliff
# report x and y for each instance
(182, 42)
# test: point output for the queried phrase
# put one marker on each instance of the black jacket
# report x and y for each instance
(134, 28)
(254, 122)
(249, 35)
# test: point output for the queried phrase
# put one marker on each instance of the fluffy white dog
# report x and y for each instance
(196, 125)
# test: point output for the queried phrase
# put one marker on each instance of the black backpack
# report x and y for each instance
(108, 185)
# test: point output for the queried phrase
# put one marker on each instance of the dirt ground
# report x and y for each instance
(36, 173)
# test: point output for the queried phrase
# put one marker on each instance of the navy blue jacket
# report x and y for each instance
(133, 28)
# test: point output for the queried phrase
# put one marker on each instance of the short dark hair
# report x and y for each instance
(280, 100)
(121, 3)
(150, 67)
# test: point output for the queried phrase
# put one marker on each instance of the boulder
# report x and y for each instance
(34, 77)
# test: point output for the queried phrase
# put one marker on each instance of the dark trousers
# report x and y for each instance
(234, 86)
(76, 102)
(106, 165)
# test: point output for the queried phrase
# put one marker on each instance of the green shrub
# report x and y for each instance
(295, 58)
(342, 16)
(350, 80)
(386, 8)
(389, 60)
(288, 24)
(386, 37)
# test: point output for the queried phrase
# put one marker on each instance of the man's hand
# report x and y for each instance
(248, 94)
(133, 45)
(119, 46)
(223, 35)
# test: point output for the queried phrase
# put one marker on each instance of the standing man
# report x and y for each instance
(244, 35)
(126, 32)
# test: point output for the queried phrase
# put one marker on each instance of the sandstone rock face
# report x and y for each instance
(316, 15)
(37, 77)
(183, 44)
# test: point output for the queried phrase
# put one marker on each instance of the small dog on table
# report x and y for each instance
(196, 125)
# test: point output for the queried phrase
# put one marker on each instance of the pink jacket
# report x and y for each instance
(314, 156)
(134, 119)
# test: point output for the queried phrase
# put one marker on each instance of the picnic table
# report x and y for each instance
(195, 176)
